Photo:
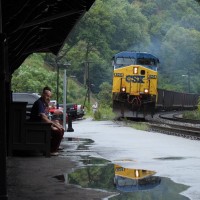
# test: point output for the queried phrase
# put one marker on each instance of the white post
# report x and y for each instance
(64, 98)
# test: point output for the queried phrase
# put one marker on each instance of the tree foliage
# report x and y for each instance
(34, 74)
(105, 94)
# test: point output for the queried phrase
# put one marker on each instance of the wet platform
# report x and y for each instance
(76, 174)
(33, 177)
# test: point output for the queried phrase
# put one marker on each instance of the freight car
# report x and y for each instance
(134, 88)
(171, 100)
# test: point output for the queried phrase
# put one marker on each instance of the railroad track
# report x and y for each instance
(177, 130)
(178, 118)
(169, 124)
(172, 124)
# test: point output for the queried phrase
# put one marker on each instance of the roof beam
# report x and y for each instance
(1, 21)
(43, 47)
(49, 19)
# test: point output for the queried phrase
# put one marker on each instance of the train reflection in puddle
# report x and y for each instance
(130, 180)
(97, 173)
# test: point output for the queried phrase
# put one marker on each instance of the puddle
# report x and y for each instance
(76, 139)
(124, 160)
(80, 143)
(171, 158)
(86, 160)
(85, 145)
(129, 183)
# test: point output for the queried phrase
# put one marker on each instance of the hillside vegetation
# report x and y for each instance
(34, 74)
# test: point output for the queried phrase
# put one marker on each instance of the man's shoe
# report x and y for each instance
(54, 153)
(60, 148)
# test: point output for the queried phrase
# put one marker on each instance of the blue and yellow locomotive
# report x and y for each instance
(135, 79)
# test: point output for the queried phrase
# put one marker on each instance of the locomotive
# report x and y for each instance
(135, 78)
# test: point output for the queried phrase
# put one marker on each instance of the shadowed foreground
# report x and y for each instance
(31, 178)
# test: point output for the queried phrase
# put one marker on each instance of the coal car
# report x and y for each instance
(171, 100)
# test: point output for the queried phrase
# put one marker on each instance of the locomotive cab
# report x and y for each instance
(144, 59)
(134, 83)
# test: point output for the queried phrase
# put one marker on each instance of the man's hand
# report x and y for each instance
(55, 124)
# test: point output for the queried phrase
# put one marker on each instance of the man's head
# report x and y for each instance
(46, 94)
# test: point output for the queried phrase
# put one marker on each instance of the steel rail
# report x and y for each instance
(177, 130)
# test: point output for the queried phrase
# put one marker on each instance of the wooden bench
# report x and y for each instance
(27, 136)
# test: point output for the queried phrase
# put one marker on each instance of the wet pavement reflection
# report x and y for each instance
(130, 180)
(137, 184)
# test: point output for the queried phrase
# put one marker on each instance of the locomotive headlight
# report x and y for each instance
(135, 70)
(146, 91)
(123, 89)
(137, 174)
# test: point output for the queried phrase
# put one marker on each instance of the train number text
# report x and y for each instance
(118, 74)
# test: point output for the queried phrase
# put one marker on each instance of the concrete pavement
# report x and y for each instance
(32, 177)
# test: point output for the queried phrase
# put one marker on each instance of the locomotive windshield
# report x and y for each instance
(120, 62)
(124, 59)
(148, 62)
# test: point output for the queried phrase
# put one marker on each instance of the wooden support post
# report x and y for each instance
(3, 119)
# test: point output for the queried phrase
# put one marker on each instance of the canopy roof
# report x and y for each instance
(38, 25)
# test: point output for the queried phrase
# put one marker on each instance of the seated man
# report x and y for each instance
(40, 113)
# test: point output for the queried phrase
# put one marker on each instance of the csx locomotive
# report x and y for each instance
(135, 79)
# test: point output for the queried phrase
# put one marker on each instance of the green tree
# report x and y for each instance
(131, 26)
(32, 76)
(109, 27)
(105, 94)
(181, 52)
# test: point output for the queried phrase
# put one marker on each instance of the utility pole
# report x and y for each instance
(64, 67)
(64, 98)
(87, 78)
(57, 59)
(57, 85)
(188, 81)
(88, 82)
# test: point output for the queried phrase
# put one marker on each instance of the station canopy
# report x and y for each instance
(38, 25)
